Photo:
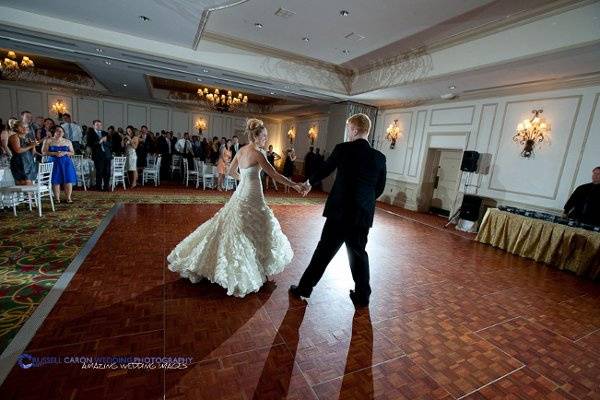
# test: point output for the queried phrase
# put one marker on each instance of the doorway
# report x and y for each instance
(441, 180)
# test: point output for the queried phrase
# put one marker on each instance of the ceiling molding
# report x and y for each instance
(523, 17)
(273, 52)
(543, 85)
(204, 19)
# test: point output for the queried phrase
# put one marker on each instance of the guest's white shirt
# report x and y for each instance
(72, 131)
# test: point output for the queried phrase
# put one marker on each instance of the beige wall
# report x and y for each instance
(542, 182)
(123, 112)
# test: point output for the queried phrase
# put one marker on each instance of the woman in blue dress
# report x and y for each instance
(59, 149)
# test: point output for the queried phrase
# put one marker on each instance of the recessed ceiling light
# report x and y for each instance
(344, 13)
(107, 62)
(205, 70)
(124, 85)
(345, 51)
(258, 25)
(272, 93)
(306, 39)
(452, 87)
(199, 79)
(144, 18)
(99, 50)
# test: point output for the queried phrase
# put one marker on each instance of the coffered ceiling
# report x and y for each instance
(257, 46)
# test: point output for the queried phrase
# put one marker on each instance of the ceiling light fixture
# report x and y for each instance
(99, 50)
(258, 25)
(272, 93)
(144, 18)
(124, 85)
(344, 13)
(222, 102)
(205, 70)
(10, 62)
(452, 87)
(306, 39)
(345, 51)
(107, 62)
(199, 79)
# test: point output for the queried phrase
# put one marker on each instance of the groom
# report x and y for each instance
(349, 210)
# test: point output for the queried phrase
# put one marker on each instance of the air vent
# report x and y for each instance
(283, 13)
(355, 37)
(243, 80)
(155, 70)
(154, 60)
(33, 39)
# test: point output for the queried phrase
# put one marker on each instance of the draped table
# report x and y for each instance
(6, 177)
(562, 246)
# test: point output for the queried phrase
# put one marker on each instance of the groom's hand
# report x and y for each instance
(306, 188)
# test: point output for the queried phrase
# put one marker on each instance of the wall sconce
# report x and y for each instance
(200, 124)
(531, 131)
(292, 135)
(59, 107)
(313, 132)
(392, 133)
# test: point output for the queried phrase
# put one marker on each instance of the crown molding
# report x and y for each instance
(204, 19)
(543, 85)
(489, 28)
(273, 52)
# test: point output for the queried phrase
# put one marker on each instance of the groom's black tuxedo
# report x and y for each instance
(349, 210)
(359, 181)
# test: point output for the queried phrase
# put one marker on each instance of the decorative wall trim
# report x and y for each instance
(585, 139)
(422, 137)
(562, 164)
(411, 133)
(452, 108)
(483, 106)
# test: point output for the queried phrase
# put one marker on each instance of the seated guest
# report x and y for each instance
(22, 164)
(584, 203)
(59, 149)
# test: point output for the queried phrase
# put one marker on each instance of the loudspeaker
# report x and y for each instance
(469, 161)
(470, 208)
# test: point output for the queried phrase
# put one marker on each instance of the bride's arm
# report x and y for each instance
(233, 168)
(272, 172)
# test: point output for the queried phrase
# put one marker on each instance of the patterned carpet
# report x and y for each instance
(35, 251)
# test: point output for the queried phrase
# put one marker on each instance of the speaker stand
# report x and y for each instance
(452, 218)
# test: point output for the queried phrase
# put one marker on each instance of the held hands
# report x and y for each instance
(306, 187)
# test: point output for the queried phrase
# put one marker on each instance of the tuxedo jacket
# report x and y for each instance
(360, 180)
(233, 151)
(99, 150)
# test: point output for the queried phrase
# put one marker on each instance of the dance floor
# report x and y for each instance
(449, 318)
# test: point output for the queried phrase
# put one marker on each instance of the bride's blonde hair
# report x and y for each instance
(254, 127)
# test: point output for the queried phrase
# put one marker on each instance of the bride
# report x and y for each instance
(243, 242)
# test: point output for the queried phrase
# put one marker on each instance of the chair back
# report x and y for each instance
(158, 162)
(176, 160)
(44, 177)
(45, 159)
(119, 165)
(199, 165)
(185, 166)
(150, 160)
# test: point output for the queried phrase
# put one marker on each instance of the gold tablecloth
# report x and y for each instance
(562, 246)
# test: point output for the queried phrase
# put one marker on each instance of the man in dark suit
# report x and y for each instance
(584, 203)
(99, 141)
(165, 149)
(350, 207)
(235, 145)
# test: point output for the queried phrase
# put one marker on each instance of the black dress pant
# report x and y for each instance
(102, 166)
(334, 234)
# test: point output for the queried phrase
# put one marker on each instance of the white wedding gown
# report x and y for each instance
(239, 246)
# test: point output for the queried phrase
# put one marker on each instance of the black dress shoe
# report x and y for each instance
(357, 302)
(296, 291)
